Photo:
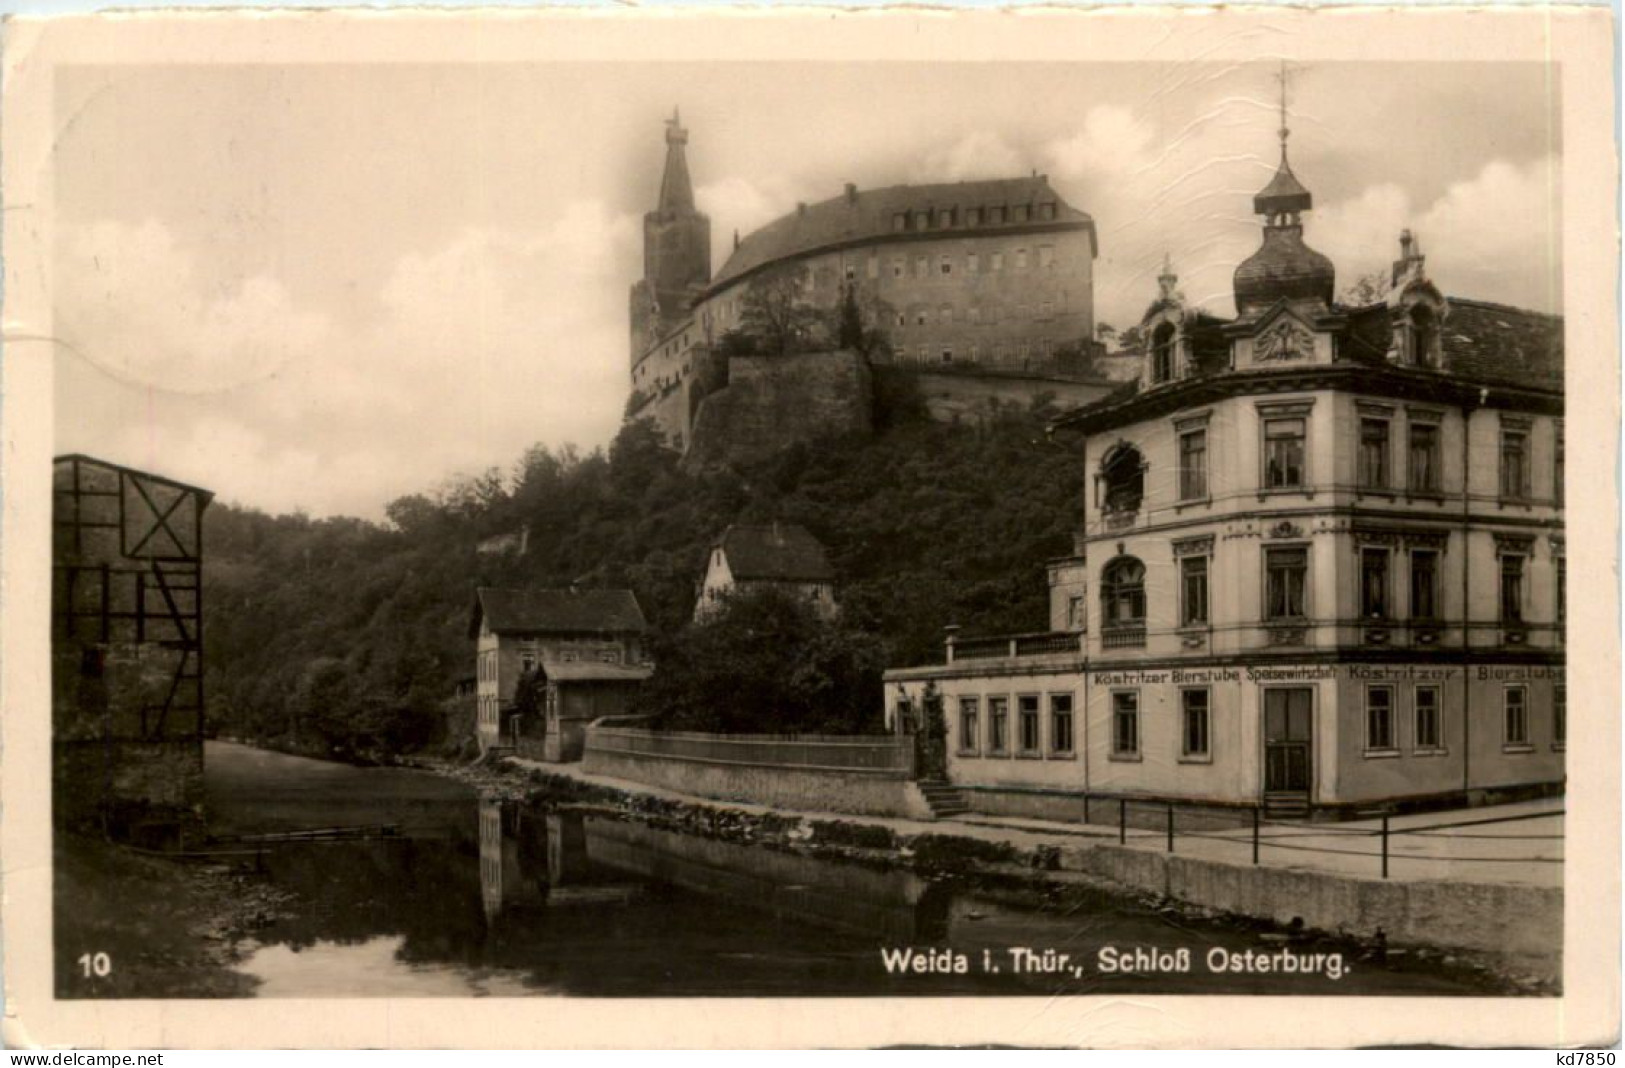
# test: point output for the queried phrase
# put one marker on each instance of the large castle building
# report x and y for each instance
(992, 274)
(1321, 565)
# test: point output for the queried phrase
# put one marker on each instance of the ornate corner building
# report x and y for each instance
(1322, 561)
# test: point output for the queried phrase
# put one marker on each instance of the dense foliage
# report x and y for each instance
(766, 663)
(345, 636)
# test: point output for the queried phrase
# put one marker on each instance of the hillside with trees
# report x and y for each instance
(346, 637)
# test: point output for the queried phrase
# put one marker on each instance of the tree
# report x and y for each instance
(1105, 332)
(851, 333)
(775, 314)
(1369, 288)
(767, 664)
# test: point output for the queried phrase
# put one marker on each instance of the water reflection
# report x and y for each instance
(480, 896)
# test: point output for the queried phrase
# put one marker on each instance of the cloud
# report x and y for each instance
(741, 205)
(472, 351)
(978, 154)
(137, 305)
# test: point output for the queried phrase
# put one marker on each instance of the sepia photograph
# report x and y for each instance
(811, 525)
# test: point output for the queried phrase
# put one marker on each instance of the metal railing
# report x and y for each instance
(1002, 646)
(1377, 840)
(886, 755)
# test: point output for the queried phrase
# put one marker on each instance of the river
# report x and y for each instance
(475, 897)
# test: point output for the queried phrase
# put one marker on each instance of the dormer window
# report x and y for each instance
(1123, 474)
(1162, 354)
(1422, 326)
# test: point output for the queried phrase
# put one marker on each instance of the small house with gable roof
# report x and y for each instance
(772, 555)
(587, 647)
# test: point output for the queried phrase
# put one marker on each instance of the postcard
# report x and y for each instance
(810, 528)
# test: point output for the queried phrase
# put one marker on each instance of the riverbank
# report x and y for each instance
(169, 927)
(984, 854)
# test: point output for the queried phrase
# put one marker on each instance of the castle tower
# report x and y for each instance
(676, 249)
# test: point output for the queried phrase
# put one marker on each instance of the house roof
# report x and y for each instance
(590, 671)
(68, 458)
(781, 552)
(1497, 343)
(867, 214)
(556, 611)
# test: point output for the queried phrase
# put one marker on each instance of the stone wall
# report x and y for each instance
(127, 785)
(972, 396)
(771, 402)
(775, 773)
(1518, 921)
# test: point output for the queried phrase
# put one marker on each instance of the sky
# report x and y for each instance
(321, 287)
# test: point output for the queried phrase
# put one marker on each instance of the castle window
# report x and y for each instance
(898, 266)
(899, 222)
(945, 218)
(922, 220)
(1122, 593)
(925, 353)
(1046, 256)
(851, 272)
(920, 317)
(996, 261)
(946, 265)
(874, 265)
(947, 355)
(1123, 473)
(973, 216)
(996, 216)
(1162, 353)
(1019, 213)
(902, 319)
(1021, 259)
(1046, 211)
(972, 262)
(921, 266)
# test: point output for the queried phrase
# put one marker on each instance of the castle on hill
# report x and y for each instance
(995, 277)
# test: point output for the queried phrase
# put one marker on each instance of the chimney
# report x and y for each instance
(851, 193)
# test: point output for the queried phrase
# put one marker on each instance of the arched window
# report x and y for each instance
(1162, 353)
(1124, 475)
(1122, 593)
(1424, 327)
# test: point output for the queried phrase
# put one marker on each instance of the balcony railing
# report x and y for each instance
(1009, 646)
(1122, 637)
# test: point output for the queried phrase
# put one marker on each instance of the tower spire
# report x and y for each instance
(1285, 196)
(676, 190)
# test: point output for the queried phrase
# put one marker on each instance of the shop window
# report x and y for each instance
(1060, 724)
(1429, 734)
(970, 739)
(1379, 718)
(1126, 723)
(1515, 709)
(1027, 723)
(998, 724)
(1193, 591)
(1285, 572)
(1195, 723)
(1374, 583)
